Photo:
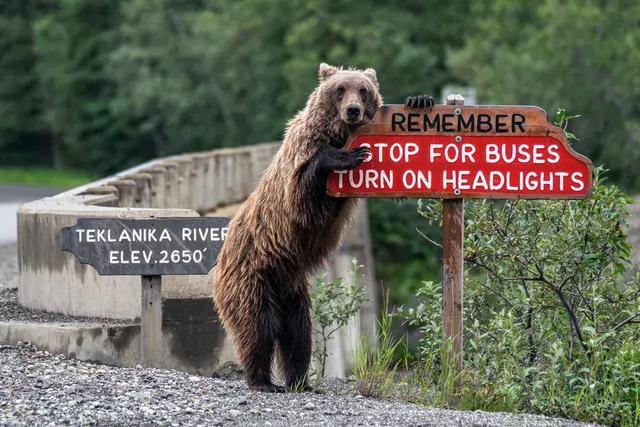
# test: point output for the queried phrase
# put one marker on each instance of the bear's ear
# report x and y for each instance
(371, 73)
(326, 71)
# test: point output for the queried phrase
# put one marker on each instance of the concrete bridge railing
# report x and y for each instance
(206, 183)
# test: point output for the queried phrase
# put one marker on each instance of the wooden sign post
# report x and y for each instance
(453, 270)
(151, 321)
(458, 151)
(149, 248)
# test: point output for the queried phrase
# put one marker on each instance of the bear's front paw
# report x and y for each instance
(420, 101)
(359, 155)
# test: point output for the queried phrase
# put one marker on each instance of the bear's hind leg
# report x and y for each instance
(257, 348)
(294, 339)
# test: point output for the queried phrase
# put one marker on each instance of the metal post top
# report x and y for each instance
(455, 99)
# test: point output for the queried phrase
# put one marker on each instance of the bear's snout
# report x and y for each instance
(353, 113)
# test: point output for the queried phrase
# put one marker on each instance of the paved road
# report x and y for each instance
(12, 196)
(8, 231)
(8, 267)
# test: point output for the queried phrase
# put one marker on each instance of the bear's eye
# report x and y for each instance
(340, 91)
(363, 93)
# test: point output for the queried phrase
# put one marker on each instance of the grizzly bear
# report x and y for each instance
(287, 227)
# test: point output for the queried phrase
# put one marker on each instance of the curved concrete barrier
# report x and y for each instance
(177, 186)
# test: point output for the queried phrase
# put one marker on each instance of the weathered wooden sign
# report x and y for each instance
(116, 246)
(149, 248)
(453, 152)
(456, 151)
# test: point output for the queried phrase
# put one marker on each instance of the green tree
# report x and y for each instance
(552, 310)
(580, 55)
(160, 85)
(23, 135)
(71, 45)
(112, 83)
(405, 41)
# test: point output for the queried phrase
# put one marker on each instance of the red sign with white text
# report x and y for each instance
(452, 151)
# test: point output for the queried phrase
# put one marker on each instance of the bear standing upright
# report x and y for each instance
(288, 226)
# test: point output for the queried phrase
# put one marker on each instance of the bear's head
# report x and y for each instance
(351, 97)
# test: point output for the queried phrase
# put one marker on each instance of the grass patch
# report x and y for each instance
(43, 177)
(374, 367)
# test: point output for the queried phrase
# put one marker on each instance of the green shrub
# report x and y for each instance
(552, 310)
(334, 304)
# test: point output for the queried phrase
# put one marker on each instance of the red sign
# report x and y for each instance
(452, 151)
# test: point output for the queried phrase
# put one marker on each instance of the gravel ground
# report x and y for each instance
(42, 389)
(11, 310)
(38, 388)
(8, 266)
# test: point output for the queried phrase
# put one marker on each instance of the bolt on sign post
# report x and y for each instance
(149, 248)
(453, 152)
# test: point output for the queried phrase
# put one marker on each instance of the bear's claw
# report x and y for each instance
(359, 155)
(420, 101)
(362, 152)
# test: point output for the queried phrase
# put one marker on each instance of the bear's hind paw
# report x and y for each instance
(300, 388)
(267, 388)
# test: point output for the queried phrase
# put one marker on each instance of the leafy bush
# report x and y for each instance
(334, 304)
(552, 309)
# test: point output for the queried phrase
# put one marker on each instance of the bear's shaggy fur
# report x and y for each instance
(287, 227)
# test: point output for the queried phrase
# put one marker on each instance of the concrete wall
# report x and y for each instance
(177, 186)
